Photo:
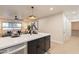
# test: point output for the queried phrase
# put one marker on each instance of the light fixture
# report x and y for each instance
(16, 18)
(73, 12)
(32, 17)
(51, 9)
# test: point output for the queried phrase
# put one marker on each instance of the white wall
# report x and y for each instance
(54, 26)
(67, 28)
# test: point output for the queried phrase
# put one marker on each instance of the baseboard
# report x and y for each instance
(59, 42)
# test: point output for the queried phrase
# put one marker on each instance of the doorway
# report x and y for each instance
(75, 28)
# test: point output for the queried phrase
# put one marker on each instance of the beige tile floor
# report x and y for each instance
(69, 47)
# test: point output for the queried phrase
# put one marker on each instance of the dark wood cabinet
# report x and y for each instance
(39, 46)
(32, 47)
(47, 43)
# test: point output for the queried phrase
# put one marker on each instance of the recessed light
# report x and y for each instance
(73, 12)
(51, 9)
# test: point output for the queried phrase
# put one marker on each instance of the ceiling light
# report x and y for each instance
(16, 18)
(32, 17)
(51, 9)
(73, 12)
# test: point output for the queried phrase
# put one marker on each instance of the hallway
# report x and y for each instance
(69, 47)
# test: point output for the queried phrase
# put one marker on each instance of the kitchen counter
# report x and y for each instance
(6, 42)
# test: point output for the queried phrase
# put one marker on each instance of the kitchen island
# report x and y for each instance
(25, 44)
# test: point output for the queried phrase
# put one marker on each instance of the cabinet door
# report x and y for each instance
(32, 47)
(47, 43)
(41, 46)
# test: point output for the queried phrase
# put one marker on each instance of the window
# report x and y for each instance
(11, 25)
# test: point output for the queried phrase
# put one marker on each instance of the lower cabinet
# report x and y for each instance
(38, 46)
(41, 46)
(47, 43)
(32, 47)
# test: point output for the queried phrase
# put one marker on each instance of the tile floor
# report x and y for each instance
(69, 47)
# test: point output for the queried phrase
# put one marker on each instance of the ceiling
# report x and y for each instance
(23, 11)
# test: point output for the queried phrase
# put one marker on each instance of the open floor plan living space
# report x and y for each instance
(39, 29)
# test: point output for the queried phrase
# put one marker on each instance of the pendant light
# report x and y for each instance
(32, 17)
(16, 18)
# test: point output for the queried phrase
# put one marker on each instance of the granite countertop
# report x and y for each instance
(6, 42)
